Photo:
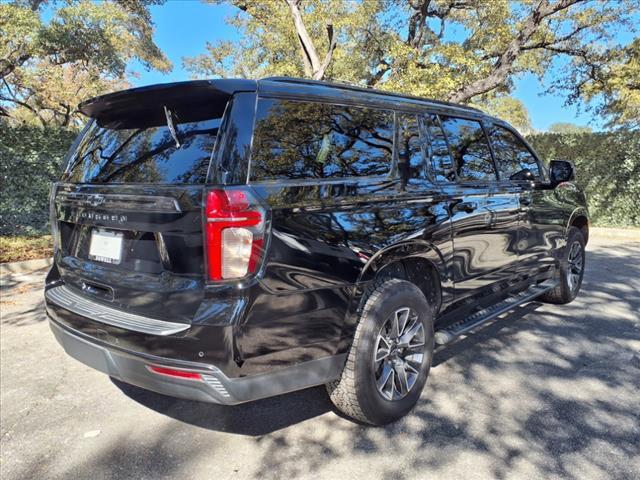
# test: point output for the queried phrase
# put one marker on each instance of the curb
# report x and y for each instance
(25, 266)
(632, 234)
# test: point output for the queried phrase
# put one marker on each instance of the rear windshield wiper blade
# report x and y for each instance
(171, 126)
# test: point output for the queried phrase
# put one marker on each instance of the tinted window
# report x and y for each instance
(441, 161)
(469, 148)
(313, 140)
(146, 154)
(512, 156)
(410, 158)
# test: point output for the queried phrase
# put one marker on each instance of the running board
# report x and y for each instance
(446, 335)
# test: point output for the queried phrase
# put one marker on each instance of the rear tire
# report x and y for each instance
(571, 271)
(390, 357)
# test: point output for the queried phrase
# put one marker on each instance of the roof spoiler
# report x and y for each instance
(149, 102)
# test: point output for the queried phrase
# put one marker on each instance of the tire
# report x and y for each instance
(571, 271)
(356, 393)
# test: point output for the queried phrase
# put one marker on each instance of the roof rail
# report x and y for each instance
(350, 86)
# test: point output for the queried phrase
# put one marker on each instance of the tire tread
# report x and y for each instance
(561, 295)
(343, 390)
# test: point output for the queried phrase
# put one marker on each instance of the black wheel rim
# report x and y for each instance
(575, 266)
(399, 354)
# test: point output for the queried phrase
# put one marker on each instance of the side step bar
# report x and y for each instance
(446, 335)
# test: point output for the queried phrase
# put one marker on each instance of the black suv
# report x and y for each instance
(230, 240)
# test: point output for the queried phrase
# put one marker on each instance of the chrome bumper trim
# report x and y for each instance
(66, 298)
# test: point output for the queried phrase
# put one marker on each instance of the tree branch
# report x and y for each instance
(313, 67)
(417, 22)
(10, 66)
(332, 47)
(504, 64)
(5, 112)
(376, 77)
(558, 40)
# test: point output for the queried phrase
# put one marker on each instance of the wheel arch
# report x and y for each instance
(418, 262)
(580, 219)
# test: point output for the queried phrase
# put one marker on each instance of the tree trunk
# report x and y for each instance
(313, 66)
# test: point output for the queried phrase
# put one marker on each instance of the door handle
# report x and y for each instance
(467, 207)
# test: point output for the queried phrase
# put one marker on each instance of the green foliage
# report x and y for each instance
(618, 86)
(508, 109)
(566, 127)
(53, 57)
(30, 159)
(463, 51)
(608, 168)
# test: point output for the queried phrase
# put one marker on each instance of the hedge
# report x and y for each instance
(608, 167)
(30, 159)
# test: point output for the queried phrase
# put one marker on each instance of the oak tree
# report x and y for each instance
(466, 51)
(53, 55)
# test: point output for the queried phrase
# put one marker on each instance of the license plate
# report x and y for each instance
(105, 246)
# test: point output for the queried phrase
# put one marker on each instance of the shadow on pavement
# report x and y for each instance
(272, 414)
(548, 395)
(254, 418)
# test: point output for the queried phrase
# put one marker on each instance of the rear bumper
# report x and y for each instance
(133, 368)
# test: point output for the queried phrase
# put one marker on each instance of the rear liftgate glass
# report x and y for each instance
(127, 215)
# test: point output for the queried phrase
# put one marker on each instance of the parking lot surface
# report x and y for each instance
(543, 392)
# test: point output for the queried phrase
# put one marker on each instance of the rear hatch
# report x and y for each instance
(127, 213)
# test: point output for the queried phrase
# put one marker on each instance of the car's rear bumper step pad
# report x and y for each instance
(446, 335)
(66, 298)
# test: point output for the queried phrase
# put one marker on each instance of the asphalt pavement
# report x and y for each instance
(545, 391)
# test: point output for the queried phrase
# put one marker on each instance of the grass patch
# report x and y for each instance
(14, 249)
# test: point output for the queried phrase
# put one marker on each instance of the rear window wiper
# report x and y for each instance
(171, 125)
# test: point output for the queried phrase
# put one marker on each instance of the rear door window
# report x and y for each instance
(469, 147)
(306, 140)
(144, 153)
(513, 158)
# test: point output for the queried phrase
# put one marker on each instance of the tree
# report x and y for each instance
(48, 66)
(618, 85)
(457, 50)
(566, 127)
(507, 108)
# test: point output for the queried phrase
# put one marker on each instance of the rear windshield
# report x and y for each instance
(144, 152)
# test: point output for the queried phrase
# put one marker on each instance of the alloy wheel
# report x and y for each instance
(399, 354)
(575, 265)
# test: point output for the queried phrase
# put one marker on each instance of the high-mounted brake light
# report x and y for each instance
(235, 225)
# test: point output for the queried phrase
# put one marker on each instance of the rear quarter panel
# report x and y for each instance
(328, 240)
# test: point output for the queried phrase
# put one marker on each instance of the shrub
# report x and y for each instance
(30, 159)
(608, 168)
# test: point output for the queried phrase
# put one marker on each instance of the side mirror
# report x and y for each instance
(561, 171)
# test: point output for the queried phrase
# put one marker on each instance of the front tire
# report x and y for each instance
(390, 357)
(571, 271)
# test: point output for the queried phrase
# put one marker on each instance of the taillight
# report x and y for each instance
(235, 225)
